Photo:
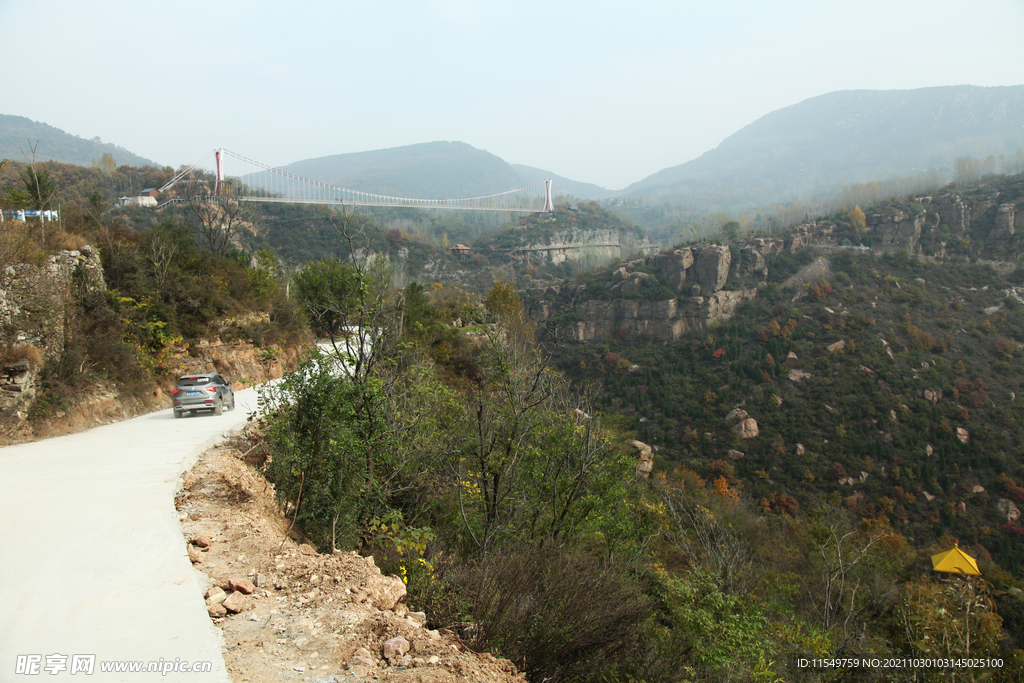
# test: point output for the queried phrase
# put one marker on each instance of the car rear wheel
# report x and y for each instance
(232, 402)
(177, 413)
(218, 407)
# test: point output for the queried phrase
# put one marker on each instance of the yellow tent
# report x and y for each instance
(955, 561)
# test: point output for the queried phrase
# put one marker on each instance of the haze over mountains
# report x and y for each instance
(852, 136)
(811, 148)
(17, 133)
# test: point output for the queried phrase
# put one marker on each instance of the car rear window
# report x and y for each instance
(193, 381)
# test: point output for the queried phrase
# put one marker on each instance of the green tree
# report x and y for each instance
(316, 464)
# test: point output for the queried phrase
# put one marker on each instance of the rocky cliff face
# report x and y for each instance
(34, 299)
(699, 274)
(982, 215)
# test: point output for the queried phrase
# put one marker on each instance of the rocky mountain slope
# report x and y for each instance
(856, 136)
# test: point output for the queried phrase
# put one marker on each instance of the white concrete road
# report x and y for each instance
(92, 560)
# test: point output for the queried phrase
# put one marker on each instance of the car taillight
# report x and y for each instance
(176, 391)
(211, 388)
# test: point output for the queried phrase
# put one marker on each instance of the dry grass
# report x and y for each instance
(12, 354)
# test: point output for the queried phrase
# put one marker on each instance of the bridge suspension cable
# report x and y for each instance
(253, 181)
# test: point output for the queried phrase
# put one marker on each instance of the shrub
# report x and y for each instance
(559, 613)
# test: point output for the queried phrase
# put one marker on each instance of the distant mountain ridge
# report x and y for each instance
(431, 170)
(845, 137)
(18, 133)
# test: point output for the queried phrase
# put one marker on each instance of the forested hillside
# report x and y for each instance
(19, 135)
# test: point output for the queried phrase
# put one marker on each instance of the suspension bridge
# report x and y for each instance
(245, 179)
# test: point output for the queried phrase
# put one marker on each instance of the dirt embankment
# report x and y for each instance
(288, 613)
(241, 363)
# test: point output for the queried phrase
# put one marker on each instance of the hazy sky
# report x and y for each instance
(603, 92)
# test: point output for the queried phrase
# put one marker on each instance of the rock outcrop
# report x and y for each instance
(33, 298)
(644, 458)
(665, 320)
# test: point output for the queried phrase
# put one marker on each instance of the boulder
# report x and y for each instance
(747, 429)
(1009, 508)
(216, 609)
(194, 555)
(236, 602)
(216, 594)
(711, 266)
(963, 435)
(395, 648)
(644, 458)
(836, 346)
(798, 375)
(736, 455)
(737, 414)
(203, 540)
(241, 585)
(928, 450)
(800, 450)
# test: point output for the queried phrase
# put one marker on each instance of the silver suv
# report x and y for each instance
(203, 392)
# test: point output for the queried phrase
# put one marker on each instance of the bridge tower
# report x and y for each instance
(220, 171)
(549, 206)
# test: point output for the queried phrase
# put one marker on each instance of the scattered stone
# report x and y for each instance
(194, 555)
(216, 609)
(928, 450)
(830, 409)
(963, 435)
(927, 496)
(866, 369)
(216, 594)
(961, 507)
(892, 414)
(419, 617)
(747, 429)
(836, 346)
(261, 581)
(931, 396)
(203, 541)
(977, 489)
(736, 455)
(236, 602)
(888, 350)
(863, 476)
(333, 678)
(800, 449)
(395, 648)
(790, 357)
(798, 375)
(242, 585)
(433, 659)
